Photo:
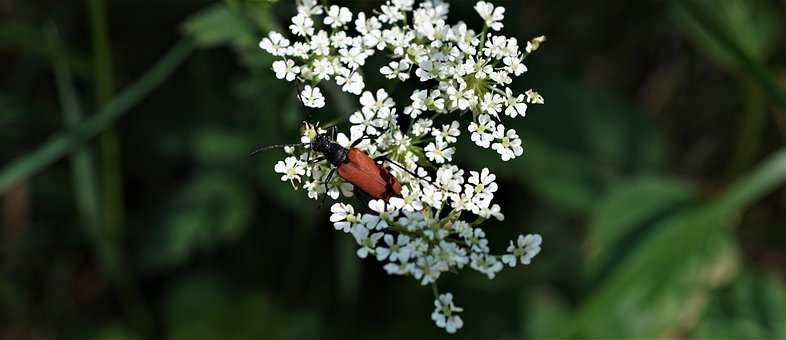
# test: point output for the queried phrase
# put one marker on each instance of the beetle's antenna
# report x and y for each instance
(386, 159)
(268, 147)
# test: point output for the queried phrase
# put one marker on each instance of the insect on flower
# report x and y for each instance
(352, 164)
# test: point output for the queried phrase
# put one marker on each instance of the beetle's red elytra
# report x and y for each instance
(364, 173)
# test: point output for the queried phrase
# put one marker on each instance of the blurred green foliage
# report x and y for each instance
(655, 173)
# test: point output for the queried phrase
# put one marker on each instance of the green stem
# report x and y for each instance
(110, 170)
(65, 142)
(751, 132)
(106, 248)
(82, 161)
(482, 40)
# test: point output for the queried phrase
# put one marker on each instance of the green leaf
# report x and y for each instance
(675, 254)
(218, 25)
(751, 24)
(701, 16)
(753, 307)
(546, 312)
(625, 209)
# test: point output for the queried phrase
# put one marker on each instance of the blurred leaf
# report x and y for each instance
(217, 25)
(209, 211)
(625, 209)
(214, 147)
(744, 57)
(111, 332)
(693, 239)
(750, 24)
(62, 143)
(753, 307)
(545, 312)
(27, 39)
(207, 307)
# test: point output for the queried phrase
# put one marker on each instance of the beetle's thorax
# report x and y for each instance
(334, 153)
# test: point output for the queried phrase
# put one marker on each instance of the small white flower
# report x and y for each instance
(486, 264)
(302, 25)
(382, 100)
(421, 127)
(343, 216)
(490, 14)
(312, 97)
(291, 168)
(352, 81)
(482, 131)
(515, 104)
(275, 44)
(353, 57)
(533, 97)
(525, 249)
(365, 240)
(492, 211)
(309, 8)
(386, 211)
(337, 16)
(477, 241)
(390, 14)
(534, 44)
(515, 65)
(508, 145)
(285, 69)
(439, 152)
(445, 313)
(395, 250)
(448, 133)
(428, 269)
(396, 69)
(320, 43)
(481, 184)
(369, 29)
(323, 68)
(365, 123)
(491, 104)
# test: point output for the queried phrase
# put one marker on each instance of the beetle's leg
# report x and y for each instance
(362, 138)
(325, 183)
(317, 160)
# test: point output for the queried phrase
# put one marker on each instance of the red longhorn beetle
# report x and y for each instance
(354, 166)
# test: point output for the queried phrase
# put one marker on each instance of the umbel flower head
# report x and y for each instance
(433, 226)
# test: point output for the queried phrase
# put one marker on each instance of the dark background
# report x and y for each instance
(654, 172)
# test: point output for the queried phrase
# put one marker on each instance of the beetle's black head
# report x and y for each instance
(322, 143)
(334, 152)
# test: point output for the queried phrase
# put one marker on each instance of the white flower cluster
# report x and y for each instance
(433, 227)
